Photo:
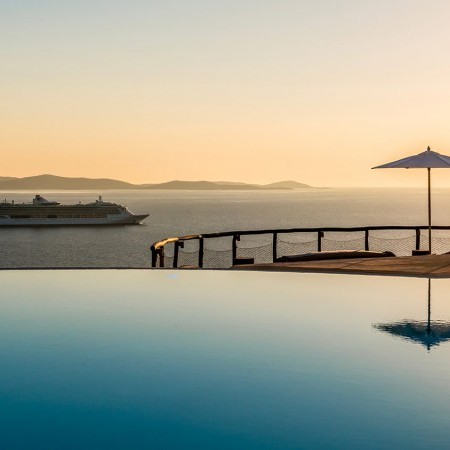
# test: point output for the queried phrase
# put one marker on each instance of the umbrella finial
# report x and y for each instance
(428, 148)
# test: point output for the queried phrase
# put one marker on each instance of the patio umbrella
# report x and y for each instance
(425, 160)
(428, 333)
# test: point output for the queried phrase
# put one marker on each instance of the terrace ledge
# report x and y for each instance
(428, 266)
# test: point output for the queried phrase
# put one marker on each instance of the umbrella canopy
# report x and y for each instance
(425, 160)
(428, 333)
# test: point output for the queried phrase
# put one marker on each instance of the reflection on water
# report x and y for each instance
(425, 333)
(428, 333)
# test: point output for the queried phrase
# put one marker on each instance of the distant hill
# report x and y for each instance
(202, 186)
(53, 182)
(287, 185)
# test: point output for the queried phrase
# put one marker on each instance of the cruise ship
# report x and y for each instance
(42, 212)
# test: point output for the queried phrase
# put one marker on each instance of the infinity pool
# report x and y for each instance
(222, 360)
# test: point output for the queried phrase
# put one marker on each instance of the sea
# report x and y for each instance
(175, 213)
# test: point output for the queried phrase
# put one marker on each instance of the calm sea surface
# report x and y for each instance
(175, 213)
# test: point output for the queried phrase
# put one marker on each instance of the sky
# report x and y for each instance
(317, 91)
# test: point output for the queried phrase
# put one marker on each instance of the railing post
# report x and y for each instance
(200, 252)
(366, 240)
(236, 238)
(178, 245)
(319, 240)
(417, 238)
(154, 255)
(175, 255)
(161, 256)
(274, 246)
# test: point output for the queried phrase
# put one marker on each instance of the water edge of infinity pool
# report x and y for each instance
(219, 359)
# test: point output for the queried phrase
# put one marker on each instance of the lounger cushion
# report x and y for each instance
(341, 254)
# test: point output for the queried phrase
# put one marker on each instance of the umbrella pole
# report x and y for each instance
(429, 307)
(429, 209)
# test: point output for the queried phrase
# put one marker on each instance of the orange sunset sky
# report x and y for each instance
(256, 91)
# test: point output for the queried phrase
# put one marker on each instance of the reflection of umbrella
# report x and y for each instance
(425, 160)
(420, 332)
(428, 333)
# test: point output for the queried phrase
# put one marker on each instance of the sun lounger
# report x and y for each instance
(341, 254)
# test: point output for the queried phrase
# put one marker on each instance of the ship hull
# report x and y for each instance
(60, 222)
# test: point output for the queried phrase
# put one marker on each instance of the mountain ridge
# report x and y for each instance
(54, 182)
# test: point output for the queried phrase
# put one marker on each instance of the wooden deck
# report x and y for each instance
(429, 266)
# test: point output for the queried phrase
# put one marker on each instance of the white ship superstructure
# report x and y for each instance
(42, 212)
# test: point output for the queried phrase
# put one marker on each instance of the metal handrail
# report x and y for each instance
(157, 249)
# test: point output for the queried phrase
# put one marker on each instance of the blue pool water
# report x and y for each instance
(218, 360)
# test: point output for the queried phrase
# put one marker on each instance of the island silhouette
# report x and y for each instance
(53, 182)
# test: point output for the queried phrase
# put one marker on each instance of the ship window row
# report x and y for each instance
(59, 216)
(42, 210)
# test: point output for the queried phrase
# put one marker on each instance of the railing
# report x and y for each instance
(224, 250)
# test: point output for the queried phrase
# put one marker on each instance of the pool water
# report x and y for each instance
(141, 359)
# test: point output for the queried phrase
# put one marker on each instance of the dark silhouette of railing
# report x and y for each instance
(161, 259)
